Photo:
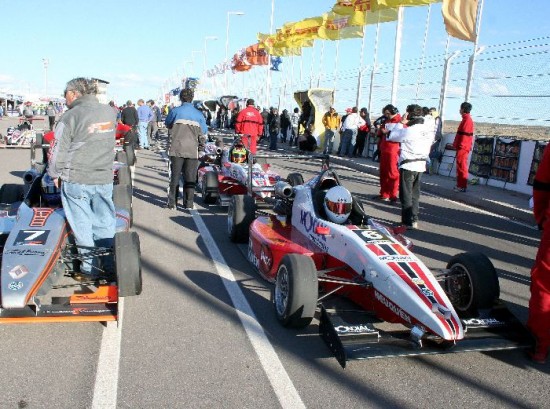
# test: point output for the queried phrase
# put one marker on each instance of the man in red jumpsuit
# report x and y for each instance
(389, 156)
(463, 144)
(539, 304)
(249, 122)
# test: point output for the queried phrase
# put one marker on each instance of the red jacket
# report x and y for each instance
(465, 133)
(541, 191)
(386, 145)
(249, 122)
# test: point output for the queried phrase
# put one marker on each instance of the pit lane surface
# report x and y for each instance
(184, 345)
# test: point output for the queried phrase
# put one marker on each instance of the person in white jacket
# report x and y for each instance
(416, 138)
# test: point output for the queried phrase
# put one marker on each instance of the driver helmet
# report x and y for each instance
(337, 204)
(50, 193)
(238, 155)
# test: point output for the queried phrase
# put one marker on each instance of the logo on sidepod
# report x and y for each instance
(484, 322)
(18, 272)
(310, 223)
(15, 285)
(391, 306)
(354, 329)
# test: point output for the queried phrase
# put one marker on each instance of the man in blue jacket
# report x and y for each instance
(187, 138)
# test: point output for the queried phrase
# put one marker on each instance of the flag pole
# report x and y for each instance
(268, 82)
(476, 51)
(397, 55)
(374, 65)
(321, 60)
(421, 70)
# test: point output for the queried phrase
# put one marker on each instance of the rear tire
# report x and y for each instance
(122, 198)
(11, 193)
(295, 179)
(128, 264)
(210, 187)
(131, 154)
(296, 291)
(241, 214)
(474, 285)
(124, 177)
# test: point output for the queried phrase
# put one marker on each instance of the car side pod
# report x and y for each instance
(354, 337)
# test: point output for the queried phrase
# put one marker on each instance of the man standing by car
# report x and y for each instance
(129, 116)
(331, 121)
(539, 304)
(463, 144)
(82, 157)
(152, 127)
(249, 122)
(145, 115)
(187, 138)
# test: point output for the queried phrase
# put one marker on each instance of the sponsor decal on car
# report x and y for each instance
(310, 223)
(31, 237)
(266, 257)
(396, 258)
(18, 272)
(15, 285)
(40, 217)
(354, 329)
(25, 252)
(483, 322)
(392, 307)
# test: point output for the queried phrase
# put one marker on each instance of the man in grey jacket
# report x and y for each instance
(82, 158)
(187, 138)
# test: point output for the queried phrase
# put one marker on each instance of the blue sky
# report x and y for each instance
(140, 46)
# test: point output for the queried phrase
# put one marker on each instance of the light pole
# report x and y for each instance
(229, 13)
(205, 50)
(46, 62)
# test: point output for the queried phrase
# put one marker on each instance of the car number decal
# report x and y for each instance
(372, 236)
(31, 237)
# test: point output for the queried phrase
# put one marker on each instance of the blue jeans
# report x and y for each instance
(91, 214)
(329, 141)
(348, 142)
(142, 131)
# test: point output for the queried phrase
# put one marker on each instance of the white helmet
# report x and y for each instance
(337, 204)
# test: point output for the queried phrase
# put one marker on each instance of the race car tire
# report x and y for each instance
(296, 291)
(473, 284)
(131, 154)
(241, 214)
(124, 177)
(295, 179)
(121, 157)
(11, 193)
(122, 198)
(210, 187)
(128, 263)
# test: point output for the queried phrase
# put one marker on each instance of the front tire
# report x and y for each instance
(131, 154)
(128, 264)
(241, 214)
(296, 291)
(122, 199)
(473, 284)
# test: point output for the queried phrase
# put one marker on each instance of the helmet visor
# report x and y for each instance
(338, 207)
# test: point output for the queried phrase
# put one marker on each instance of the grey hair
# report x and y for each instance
(83, 86)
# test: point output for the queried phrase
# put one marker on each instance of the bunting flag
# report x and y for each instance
(460, 18)
(363, 12)
(255, 55)
(307, 29)
(337, 27)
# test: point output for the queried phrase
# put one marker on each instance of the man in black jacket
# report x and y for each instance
(129, 116)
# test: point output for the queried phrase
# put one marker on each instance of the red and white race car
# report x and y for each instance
(233, 171)
(394, 304)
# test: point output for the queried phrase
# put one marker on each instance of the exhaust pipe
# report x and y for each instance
(30, 176)
(283, 190)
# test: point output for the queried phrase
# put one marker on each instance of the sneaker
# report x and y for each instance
(459, 189)
(393, 199)
(381, 198)
(414, 225)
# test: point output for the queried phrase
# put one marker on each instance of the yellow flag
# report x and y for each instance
(363, 12)
(307, 28)
(460, 17)
(379, 4)
(336, 27)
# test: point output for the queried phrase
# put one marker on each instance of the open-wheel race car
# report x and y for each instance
(374, 296)
(40, 261)
(233, 170)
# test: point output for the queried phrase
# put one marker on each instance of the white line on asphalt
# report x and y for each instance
(106, 377)
(280, 381)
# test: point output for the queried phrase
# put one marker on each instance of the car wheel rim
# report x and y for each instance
(282, 291)
(460, 289)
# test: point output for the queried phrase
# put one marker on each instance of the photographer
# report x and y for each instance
(416, 138)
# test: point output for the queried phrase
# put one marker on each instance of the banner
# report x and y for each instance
(363, 12)
(337, 27)
(460, 17)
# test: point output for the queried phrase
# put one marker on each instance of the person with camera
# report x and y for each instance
(415, 137)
